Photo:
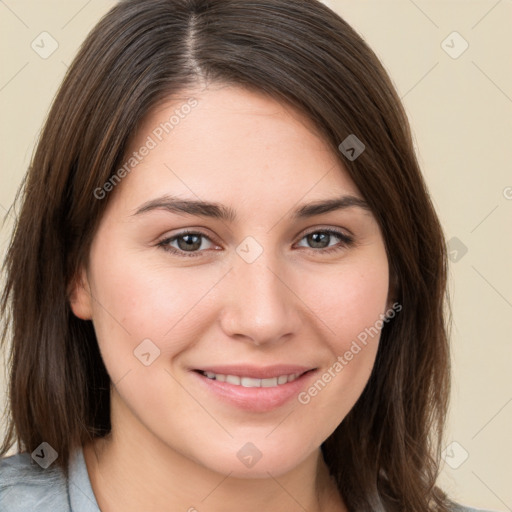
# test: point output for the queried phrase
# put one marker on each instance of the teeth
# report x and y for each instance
(249, 382)
(283, 379)
(269, 383)
(231, 379)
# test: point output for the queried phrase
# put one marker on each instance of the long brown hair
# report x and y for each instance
(385, 453)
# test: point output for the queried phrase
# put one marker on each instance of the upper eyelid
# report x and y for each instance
(341, 231)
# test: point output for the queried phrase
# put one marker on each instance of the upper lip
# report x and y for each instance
(256, 372)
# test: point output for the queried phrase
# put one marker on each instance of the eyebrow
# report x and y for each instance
(228, 214)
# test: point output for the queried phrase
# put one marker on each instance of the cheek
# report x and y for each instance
(350, 303)
(349, 299)
(136, 300)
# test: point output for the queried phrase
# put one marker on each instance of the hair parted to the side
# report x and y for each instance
(385, 454)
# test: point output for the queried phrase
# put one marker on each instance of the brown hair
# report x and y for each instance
(385, 453)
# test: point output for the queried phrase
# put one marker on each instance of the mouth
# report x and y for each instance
(258, 394)
(252, 382)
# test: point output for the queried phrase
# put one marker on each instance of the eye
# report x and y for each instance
(320, 239)
(189, 243)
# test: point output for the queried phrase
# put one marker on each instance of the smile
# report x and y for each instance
(262, 393)
(249, 382)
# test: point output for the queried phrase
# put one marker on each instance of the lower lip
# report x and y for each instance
(256, 399)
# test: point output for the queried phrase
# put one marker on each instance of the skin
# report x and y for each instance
(174, 444)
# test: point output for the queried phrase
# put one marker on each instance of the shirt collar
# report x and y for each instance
(81, 495)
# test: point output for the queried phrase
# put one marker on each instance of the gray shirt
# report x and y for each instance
(27, 487)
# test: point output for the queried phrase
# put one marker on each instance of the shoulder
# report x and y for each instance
(25, 486)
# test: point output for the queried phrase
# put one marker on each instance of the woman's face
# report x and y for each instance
(264, 285)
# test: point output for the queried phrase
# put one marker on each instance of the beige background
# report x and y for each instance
(461, 113)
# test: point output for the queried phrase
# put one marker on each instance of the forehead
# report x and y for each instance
(234, 145)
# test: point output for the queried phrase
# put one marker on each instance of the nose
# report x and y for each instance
(260, 306)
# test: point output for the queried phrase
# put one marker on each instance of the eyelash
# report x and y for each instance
(346, 242)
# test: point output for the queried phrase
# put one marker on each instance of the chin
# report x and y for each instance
(247, 460)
